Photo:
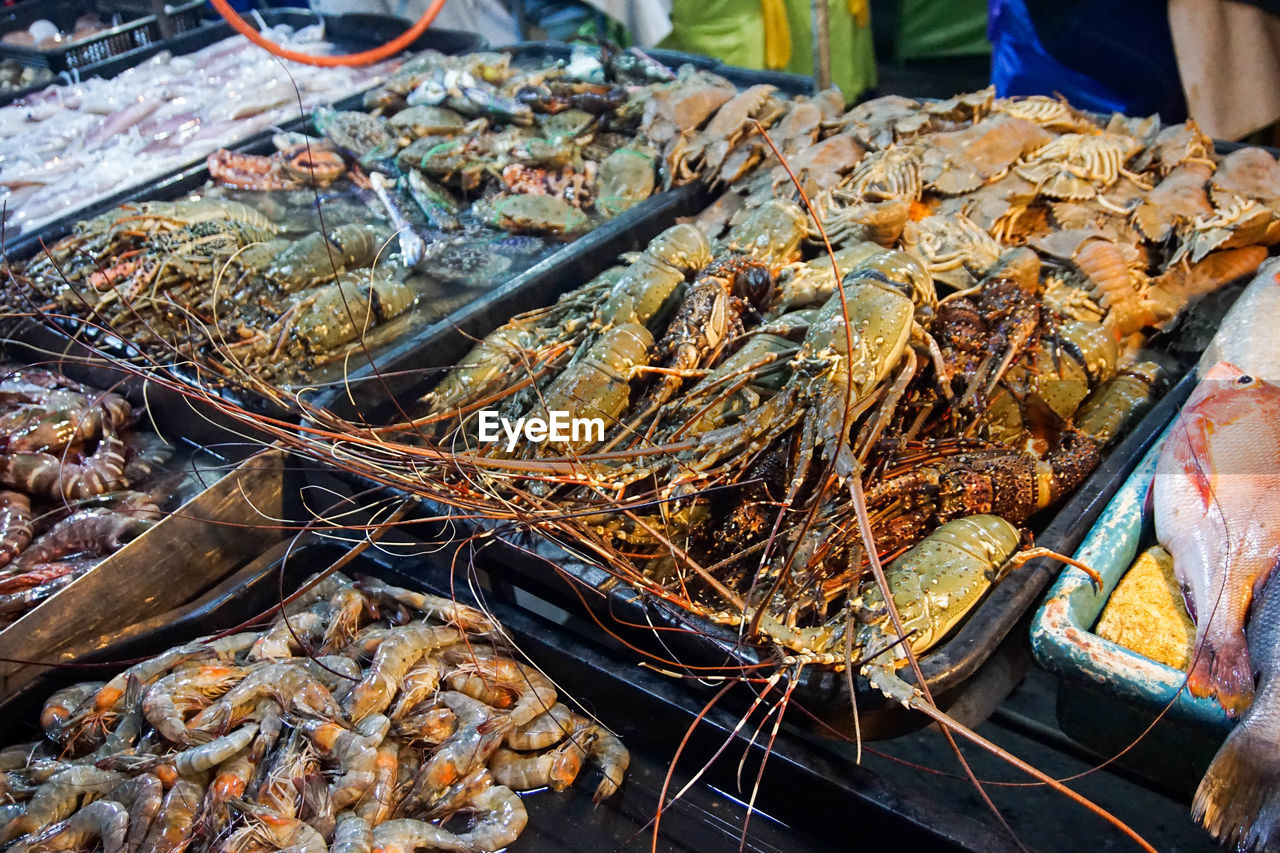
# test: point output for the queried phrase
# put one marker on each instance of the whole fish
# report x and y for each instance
(1216, 497)
(1238, 800)
(1246, 336)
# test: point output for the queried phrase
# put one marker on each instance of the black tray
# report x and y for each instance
(650, 713)
(138, 34)
(971, 672)
(629, 231)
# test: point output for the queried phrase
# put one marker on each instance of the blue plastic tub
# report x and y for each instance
(1062, 635)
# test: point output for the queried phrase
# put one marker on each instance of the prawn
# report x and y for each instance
(480, 676)
(352, 835)
(397, 653)
(171, 699)
(555, 769)
(356, 753)
(103, 820)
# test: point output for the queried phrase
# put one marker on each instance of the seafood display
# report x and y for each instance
(745, 380)
(74, 469)
(69, 145)
(45, 35)
(251, 278)
(214, 276)
(367, 717)
(474, 139)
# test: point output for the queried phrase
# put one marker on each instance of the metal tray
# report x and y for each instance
(1062, 635)
(649, 712)
(138, 580)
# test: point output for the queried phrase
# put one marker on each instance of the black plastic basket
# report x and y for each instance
(650, 714)
(971, 672)
(137, 34)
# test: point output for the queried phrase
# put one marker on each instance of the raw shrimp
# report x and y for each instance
(467, 618)
(545, 730)
(555, 769)
(142, 796)
(608, 753)
(428, 725)
(268, 831)
(406, 835)
(202, 758)
(59, 707)
(106, 699)
(479, 676)
(228, 783)
(342, 620)
(377, 803)
(353, 835)
(277, 789)
(171, 699)
(399, 651)
(281, 640)
(59, 797)
(289, 684)
(468, 748)
(103, 820)
(355, 752)
(501, 817)
(172, 828)
(418, 683)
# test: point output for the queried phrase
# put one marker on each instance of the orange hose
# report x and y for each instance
(366, 57)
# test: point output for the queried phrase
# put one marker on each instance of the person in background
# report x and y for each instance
(1102, 55)
(777, 35)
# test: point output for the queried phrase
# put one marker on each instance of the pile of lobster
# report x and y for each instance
(770, 406)
(368, 716)
(74, 469)
(216, 282)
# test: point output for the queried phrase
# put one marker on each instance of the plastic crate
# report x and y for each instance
(141, 32)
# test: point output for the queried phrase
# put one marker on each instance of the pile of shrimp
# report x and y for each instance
(76, 465)
(368, 717)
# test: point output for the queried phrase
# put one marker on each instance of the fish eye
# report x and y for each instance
(1244, 380)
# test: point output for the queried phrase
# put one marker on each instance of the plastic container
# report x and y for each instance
(1062, 637)
(127, 38)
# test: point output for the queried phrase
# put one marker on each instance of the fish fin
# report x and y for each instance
(1223, 669)
(1238, 800)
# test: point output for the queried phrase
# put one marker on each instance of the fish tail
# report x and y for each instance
(1222, 668)
(1238, 800)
